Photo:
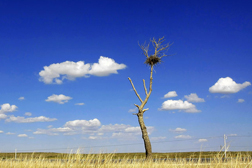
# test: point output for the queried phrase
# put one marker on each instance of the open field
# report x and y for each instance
(44, 155)
(177, 160)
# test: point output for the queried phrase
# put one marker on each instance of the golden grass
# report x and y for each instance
(108, 161)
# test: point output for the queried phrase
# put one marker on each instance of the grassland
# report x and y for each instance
(127, 160)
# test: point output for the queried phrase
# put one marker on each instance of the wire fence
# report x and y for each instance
(163, 150)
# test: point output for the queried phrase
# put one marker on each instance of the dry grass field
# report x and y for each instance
(173, 160)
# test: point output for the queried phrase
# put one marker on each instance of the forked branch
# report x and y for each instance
(135, 90)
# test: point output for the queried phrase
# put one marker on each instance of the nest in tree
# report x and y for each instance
(152, 60)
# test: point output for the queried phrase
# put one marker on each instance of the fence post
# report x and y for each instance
(15, 154)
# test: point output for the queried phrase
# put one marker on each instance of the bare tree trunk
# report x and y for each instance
(147, 143)
(151, 61)
(145, 136)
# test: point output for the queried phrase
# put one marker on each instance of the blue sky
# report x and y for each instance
(65, 67)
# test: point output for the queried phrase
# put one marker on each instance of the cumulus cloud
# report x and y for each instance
(113, 128)
(56, 73)
(95, 129)
(240, 100)
(183, 137)
(19, 119)
(28, 114)
(105, 67)
(7, 108)
(178, 130)
(22, 135)
(73, 127)
(179, 105)
(83, 123)
(193, 97)
(227, 85)
(10, 133)
(61, 99)
(170, 94)
(21, 98)
(202, 140)
(3, 116)
(1, 132)
(79, 104)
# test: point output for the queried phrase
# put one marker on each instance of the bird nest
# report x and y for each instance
(152, 60)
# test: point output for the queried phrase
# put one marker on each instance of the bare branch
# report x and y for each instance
(135, 90)
(145, 110)
(159, 48)
(136, 106)
(145, 87)
(134, 113)
(145, 49)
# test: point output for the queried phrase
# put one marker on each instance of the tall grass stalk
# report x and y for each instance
(107, 161)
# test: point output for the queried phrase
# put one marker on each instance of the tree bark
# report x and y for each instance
(159, 53)
(145, 136)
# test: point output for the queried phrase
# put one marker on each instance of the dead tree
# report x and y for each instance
(151, 60)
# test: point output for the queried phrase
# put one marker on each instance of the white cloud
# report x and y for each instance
(113, 128)
(79, 104)
(202, 140)
(232, 135)
(83, 123)
(192, 110)
(8, 108)
(3, 116)
(157, 138)
(179, 105)
(193, 97)
(21, 98)
(61, 129)
(10, 133)
(95, 137)
(132, 110)
(22, 135)
(72, 127)
(227, 85)
(183, 137)
(105, 67)
(1, 132)
(123, 129)
(56, 73)
(240, 100)
(95, 130)
(28, 114)
(178, 130)
(61, 99)
(44, 131)
(170, 94)
(68, 70)
(133, 130)
(19, 119)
